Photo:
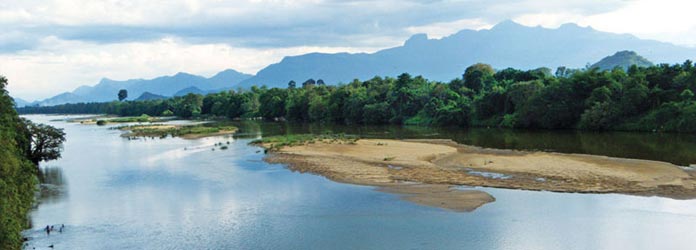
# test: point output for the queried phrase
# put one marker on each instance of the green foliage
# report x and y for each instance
(687, 95)
(122, 94)
(18, 176)
(478, 76)
(141, 118)
(651, 98)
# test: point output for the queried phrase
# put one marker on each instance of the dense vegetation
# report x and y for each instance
(22, 145)
(656, 98)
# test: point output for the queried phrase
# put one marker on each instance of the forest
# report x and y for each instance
(658, 98)
(23, 144)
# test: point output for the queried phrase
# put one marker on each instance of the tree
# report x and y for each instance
(478, 76)
(309, 82)
(17, 175)
(46, 142)
(122, 94)
(189, 106)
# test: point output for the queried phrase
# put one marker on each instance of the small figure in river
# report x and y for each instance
(62, 226)
(48, 230)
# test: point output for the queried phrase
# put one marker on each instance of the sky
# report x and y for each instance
(51, 46)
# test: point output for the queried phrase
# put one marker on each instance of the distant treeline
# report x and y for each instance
(657, 98)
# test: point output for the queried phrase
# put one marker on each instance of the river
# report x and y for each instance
(115, 193)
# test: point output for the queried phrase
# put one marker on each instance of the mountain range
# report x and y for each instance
(507, 44)
(178, 84)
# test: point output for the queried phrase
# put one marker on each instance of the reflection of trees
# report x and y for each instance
(54, 186)
(674, 148)
(248, 129)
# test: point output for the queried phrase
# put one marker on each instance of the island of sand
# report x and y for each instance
(424, 171)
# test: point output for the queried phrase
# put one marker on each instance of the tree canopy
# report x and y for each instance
(122, 94)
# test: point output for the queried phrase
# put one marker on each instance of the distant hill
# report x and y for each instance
(107, 89)
(20, 102)
(147, 96)
(623, 59)
(507, 44)
(62, 98)
(189, 90)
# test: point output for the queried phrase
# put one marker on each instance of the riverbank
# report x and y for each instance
(393, 164)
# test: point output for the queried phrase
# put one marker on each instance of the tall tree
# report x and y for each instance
(122, 94)
(478, 76)
(46, 142)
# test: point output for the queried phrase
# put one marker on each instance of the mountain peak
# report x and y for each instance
(624, 59)
(570, 26)
(416, 39)
(507, 24)
(105, 80)
(180, 74)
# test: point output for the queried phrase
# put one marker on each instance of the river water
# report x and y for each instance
(115, 193)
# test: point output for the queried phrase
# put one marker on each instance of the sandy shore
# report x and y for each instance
(390, 164)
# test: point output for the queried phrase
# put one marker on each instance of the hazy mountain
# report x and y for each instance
(107, 89)
(65, 97)
(190, 90)
(221, 81)
(507, 44)
(149, 96)
(623, 59)
(19, 102)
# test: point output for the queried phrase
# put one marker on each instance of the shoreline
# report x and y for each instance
(394, 165)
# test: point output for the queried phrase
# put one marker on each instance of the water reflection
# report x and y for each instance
(675, 148)
(53, 186)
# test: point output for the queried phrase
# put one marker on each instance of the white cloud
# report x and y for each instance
(442, 29)
(665, 20)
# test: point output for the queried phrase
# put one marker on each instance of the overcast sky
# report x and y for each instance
(48, 47)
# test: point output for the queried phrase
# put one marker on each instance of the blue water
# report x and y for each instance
(180, 194)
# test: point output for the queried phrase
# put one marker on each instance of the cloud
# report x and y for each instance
(666, 20)
(265, 23)
(442, 29)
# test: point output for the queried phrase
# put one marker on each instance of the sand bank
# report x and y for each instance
(194, 131)
(443, 163)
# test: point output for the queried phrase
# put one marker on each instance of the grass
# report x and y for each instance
(277, 142)
(164, 130)
(127, 119)
(142, 118)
